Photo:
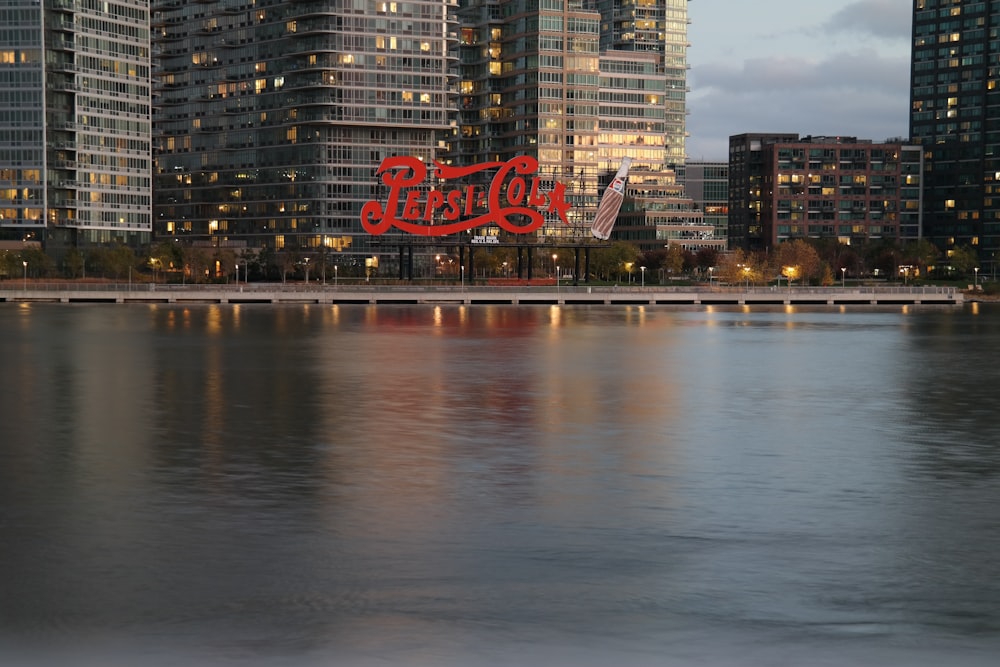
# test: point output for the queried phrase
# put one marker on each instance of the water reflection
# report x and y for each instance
(456, 485)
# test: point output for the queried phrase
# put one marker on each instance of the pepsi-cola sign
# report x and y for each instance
(515, 199)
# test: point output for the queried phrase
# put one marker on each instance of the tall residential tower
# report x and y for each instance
(75, 159)
(955, 116)
(272, 116)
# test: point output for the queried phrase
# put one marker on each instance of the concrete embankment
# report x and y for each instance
(473, 295)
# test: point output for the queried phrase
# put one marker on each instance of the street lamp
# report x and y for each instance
(336, 274)
(557, 278)
(643, 270)
(843, 276)
(975, 284)
(307, 270)
(746, 274)
(462, 267)
(790, 275)
(25, 263)
(237, 274)
(554, 257)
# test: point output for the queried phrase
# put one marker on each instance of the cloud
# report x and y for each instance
(863, 70)
(889, 19)
(848, 94)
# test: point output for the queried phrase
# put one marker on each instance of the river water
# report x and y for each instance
(497, 485)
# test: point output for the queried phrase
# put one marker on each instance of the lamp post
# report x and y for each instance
(237, 274)
(554, 257)
(463, 276)
(975, 284)
(557, 278)
(746, 274)
(843, 276)
(307, 270)
(336, 274)
(25, 263)
(643, 270)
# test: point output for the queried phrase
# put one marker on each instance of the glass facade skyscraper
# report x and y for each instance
(955, 116)
(75, 152)
(578, 84)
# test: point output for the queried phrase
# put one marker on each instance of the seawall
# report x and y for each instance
(15, 291)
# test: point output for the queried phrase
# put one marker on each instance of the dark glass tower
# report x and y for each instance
(272, 116)
(955, 116)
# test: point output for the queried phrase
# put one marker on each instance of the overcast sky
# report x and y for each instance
(838, 67)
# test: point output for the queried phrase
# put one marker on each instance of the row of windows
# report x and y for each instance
(27, 156)
(841, 204)
(131, 31)
(19, 36)
(116, 125)
(17, 78)
(113, 67)
(136, 12)
(114, 161)
(17, 16)
(20, 175)
(136, 219)
(87, 103)
(22, 97)
(14, 137)
(101, 142)
(114, 48)
(20, 56)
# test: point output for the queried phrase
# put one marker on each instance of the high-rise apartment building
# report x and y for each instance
(75, 152)
(272, 116)
(955, 116)
(578, 84)
(530, 85)
(852, 190)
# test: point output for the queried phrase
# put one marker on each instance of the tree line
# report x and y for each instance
(802, 261)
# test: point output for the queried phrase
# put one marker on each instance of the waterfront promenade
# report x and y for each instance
(278, 293)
